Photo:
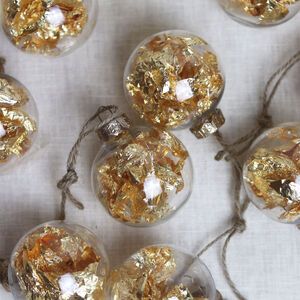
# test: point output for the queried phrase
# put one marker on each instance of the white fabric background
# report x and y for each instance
(264, 261)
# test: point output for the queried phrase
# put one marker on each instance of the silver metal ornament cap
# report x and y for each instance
(113, 128)
(209, 124)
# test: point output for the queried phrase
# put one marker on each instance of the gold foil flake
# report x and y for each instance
(54, 264)
(16, 129)
(148, 275)
(16, 126)
(273, 176)
(136, 181)
(180, 292)
(144, 275)
(268, 11)
(40, 25)
(285, 134)
(11, 95)
(173, 78)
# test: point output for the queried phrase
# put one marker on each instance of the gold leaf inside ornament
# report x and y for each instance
(16, 128)
(41, 25)
(173, 78)
(11, 95)
(148, 275)
(273, 172)
(136, 182)
(268, 11)
(55, 264)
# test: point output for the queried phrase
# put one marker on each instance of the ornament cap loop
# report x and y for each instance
(209, 124)
(111, 130)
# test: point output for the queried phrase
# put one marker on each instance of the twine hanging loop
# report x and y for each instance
(103, 114)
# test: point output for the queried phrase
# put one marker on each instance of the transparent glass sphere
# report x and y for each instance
(173, 77)
(58, 261)
(272, 173)
(144, 177)
(162, 272)
(49, 27)
(261, 12)
(18, 121)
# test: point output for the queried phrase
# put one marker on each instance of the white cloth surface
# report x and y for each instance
(264, 261)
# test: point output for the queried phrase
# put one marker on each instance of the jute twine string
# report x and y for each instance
(233, 152)
(71, 177)
(2, 63)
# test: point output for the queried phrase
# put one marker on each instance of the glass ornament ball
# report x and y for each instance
(18, 122)
(162, 272)
(142, 177)
(272, 173)
(173, 77)
(49, 27)
(261, 12)
(58, 261)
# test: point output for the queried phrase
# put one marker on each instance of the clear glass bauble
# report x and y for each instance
(18, 122)
(261, 12)
(49, 27)
(272, 173)
(173, 77)
(162, 272)
(143, 177)
(58, 261)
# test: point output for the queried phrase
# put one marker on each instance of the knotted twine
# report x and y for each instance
(71, 176)
(232, 153)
